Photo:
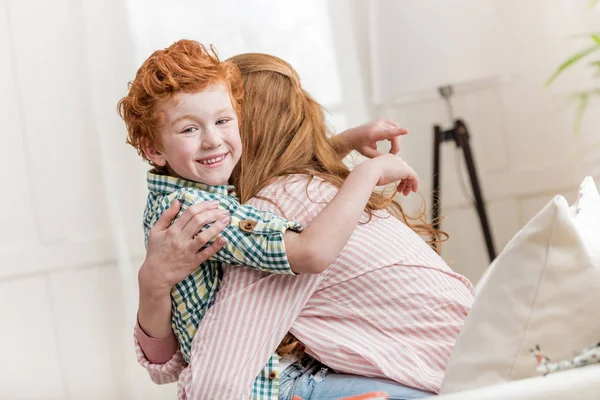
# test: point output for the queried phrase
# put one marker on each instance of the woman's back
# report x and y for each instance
(388, 307)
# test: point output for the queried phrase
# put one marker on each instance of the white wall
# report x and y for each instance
(522, 133)
(66, 290)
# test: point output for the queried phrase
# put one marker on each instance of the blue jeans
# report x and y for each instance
(314, 381)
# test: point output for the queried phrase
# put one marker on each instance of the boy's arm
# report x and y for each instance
(254, 238)
(265, 241)
(364, 138)
(313, 250)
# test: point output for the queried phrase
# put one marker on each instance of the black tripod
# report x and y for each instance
(460, 135)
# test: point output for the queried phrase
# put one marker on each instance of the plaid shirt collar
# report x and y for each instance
(159, 182)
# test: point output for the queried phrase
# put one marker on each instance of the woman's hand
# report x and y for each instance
(174, 253)
(390, 168)
(363, 138)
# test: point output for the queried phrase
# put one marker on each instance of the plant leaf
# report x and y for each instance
(572, 60)
(595, 37)
(592, 3)
(591, 92)
(596, 65)
(584, 100)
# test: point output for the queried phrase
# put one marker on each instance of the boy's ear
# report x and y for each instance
(153, 154)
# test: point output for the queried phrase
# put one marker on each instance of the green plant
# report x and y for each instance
(582, 97)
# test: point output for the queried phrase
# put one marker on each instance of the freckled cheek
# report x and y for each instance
(188, 151)
(226, 133)
(231, 130)
(233, 136)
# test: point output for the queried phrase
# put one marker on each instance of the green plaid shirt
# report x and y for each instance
(265, 388)
(259, 247)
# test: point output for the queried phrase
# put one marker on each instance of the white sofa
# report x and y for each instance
(577, 384)
(542, 290)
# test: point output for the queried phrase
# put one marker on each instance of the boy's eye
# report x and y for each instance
(189, 130)
(222, 121)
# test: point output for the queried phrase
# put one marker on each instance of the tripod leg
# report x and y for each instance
(462, 137)
(435, 194)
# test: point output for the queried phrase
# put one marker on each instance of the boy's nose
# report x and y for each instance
(211, 139)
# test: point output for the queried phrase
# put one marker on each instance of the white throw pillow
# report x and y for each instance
(543, 289)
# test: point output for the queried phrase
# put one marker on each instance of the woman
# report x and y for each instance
(388, 308)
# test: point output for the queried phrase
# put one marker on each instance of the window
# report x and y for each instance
(298, 31)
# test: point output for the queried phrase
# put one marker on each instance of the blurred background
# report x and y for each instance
(74, 192)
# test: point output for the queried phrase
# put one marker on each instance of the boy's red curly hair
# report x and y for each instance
(186, 66)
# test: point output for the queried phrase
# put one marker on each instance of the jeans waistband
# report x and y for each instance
(289, 376)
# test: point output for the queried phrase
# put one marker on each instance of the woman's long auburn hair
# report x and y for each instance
(284, 132)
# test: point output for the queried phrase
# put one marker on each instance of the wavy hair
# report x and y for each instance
(284, 132)
(186, 66)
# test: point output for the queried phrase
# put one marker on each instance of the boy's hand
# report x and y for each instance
(389, 168)
(363, 138)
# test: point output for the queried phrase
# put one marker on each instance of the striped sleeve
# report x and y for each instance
(168, 372)
(156, 350)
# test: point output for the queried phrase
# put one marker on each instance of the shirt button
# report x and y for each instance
(272, 375)
(247, 225)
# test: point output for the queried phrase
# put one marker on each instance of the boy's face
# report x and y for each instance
(201, 137)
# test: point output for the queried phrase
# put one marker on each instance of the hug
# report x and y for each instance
(284, 274)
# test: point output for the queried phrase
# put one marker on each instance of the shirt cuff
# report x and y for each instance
(156, 350)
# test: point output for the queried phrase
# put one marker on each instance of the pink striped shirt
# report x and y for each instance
(388, 307)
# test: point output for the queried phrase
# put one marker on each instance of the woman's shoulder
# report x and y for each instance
(300, 186)
(295, 197)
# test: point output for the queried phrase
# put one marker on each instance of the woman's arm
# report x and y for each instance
(313, 250)
(363, 138)
(173, 253)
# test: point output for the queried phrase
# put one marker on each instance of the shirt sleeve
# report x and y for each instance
(254, 237)
(167, 372)
(157, 351)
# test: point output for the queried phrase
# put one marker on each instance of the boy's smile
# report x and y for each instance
(200, 137)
